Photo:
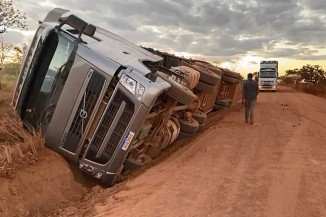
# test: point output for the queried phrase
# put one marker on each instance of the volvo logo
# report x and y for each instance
(83, 114)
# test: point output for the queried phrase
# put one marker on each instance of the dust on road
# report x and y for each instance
(275, 169)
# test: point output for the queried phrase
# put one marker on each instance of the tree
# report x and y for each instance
(10, 18)
(313, 74)
(308, 74)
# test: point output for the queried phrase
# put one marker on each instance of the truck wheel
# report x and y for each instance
(177, 91)
(131, 164)
(188, 126)
(199, 116)
(204, 87)
(207, 76)
(211, 67)
(176, 129)
(201, 127)
(229, 79)
(219, 107)
(193, 75)
(224, 103)
(183, 135)
(231, 74)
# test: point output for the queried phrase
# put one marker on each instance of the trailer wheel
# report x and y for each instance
(199, 116)
(207, 75)
(190, 125)
(177, 91)
(183, 135)
(231, 74)
(206, 88)
(201, 127)
(192, 75)
(215, 69)
(219, 107)
(224, 103)
(229, 79)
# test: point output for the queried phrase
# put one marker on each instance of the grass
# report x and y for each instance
(16, 143)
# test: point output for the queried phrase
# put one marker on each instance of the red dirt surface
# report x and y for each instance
(275, 169)
(232, 169)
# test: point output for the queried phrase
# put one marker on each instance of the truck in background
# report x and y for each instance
(267, 76)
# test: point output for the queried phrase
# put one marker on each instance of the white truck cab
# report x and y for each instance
(267, 76)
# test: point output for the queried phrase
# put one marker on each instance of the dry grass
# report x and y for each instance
(16, 143)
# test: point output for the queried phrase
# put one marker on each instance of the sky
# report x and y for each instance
(236, 33)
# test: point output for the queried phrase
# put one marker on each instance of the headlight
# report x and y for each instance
(129, 83)
(135, 88)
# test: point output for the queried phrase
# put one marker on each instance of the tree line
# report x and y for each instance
(308, 74)
(10, 18)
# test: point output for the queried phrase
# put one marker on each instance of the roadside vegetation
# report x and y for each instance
(310, 79)
(17, 146)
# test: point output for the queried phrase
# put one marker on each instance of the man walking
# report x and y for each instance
(249, 97)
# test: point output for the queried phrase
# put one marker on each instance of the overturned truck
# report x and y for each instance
(108, 105)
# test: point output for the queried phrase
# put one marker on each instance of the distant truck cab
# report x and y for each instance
(267, 76)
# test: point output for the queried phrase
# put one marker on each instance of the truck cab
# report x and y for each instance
(267, 75)
(106, 104)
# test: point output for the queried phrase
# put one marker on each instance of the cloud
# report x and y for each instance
(213, 29)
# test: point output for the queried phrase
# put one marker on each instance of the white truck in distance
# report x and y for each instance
(267, 76)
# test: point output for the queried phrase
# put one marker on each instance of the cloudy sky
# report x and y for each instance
(238, 33)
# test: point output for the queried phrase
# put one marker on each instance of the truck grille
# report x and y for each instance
(84, 111)
(109, 117)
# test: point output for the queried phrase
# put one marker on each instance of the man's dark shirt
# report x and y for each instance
(250, 88)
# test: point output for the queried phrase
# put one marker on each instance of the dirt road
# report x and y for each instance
(275, 169)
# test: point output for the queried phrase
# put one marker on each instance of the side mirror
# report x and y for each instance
(73, 21)
(90, 30)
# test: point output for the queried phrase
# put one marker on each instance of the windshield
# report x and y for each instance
(55, 53)
(268, 73)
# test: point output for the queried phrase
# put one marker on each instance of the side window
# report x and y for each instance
(28, 58)
(60, 57)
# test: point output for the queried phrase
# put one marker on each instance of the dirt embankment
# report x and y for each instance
(34, 181)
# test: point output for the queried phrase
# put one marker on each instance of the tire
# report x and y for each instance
(215, 69)
(207, 75)
(231, 74)
(201, 127)
(193, 75)
(190, 126)
(219, 107)
(183, 135)
(229, 79)
(175, 133)
(204, 87)
(200, 117)
(178, 92)
(154, 151)
(224, 103)
(131, 164)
